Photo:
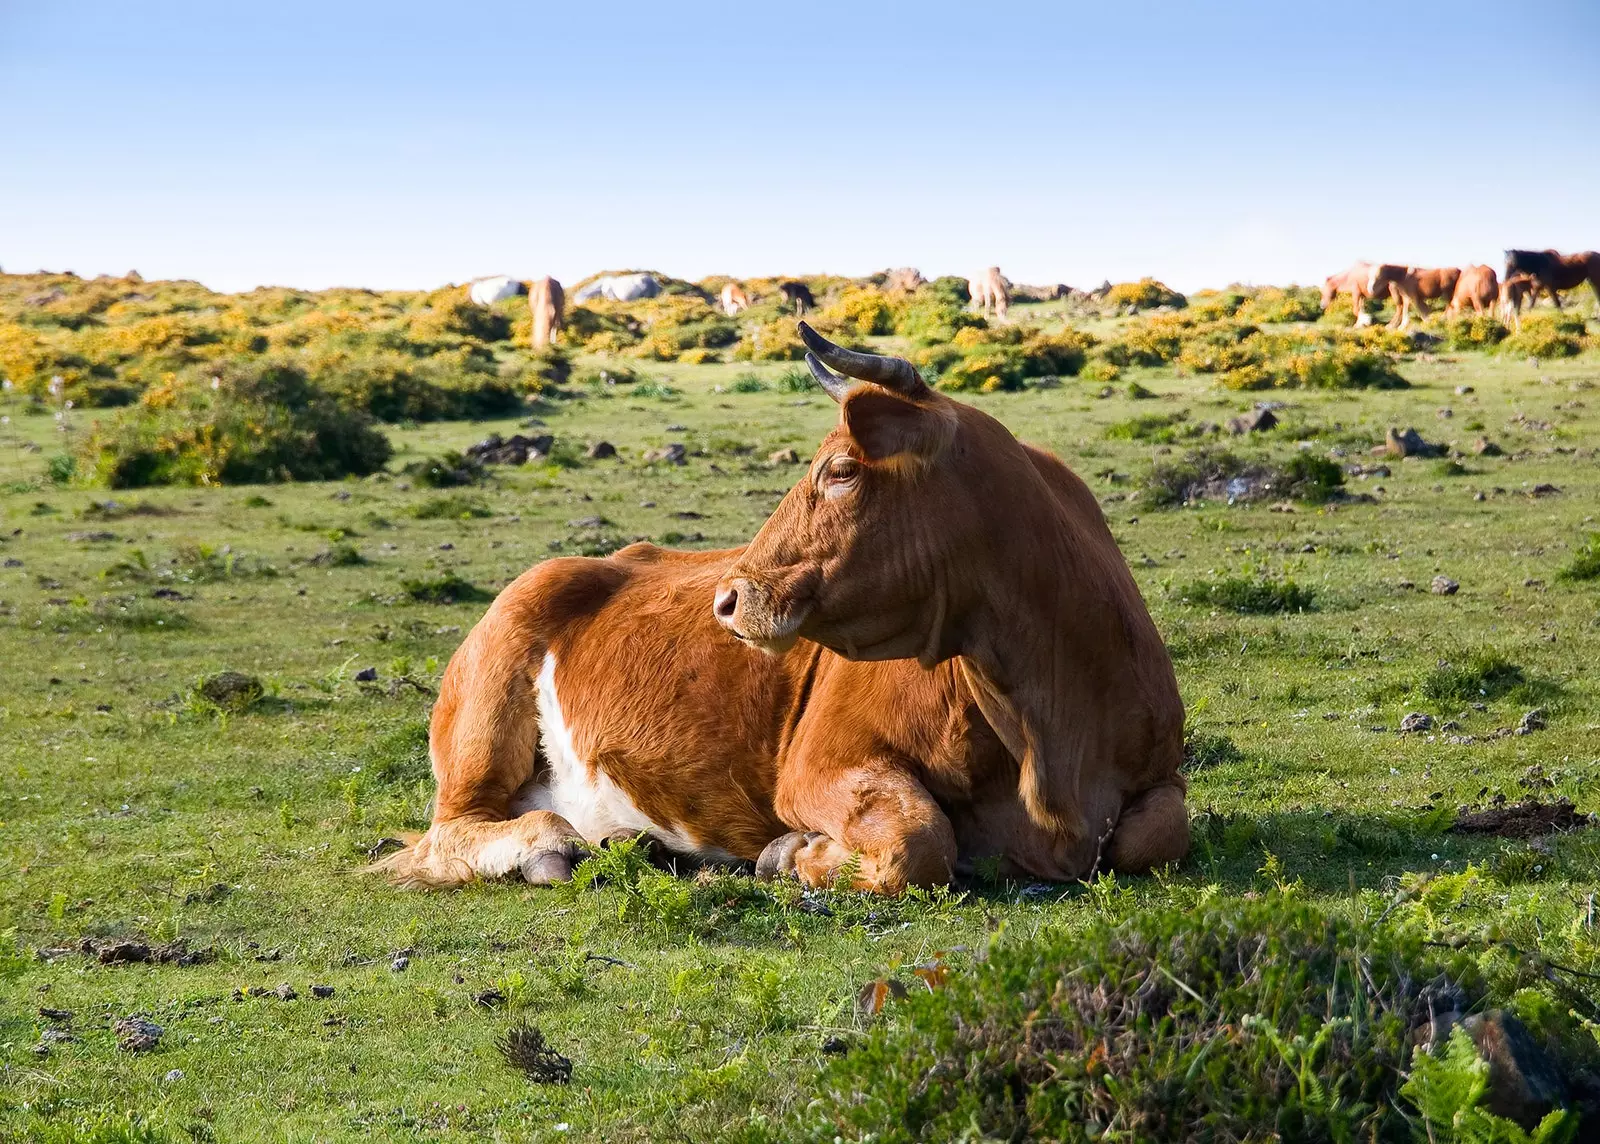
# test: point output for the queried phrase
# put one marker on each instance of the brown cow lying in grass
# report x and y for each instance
(940, 657)
(1413, 288)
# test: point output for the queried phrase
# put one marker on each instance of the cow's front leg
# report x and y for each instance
(876, 822)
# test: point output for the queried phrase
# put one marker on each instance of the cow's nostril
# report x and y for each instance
(727, 603)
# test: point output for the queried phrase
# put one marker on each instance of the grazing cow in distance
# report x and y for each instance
(734, 299)
(1553, 271)
(1514, 291)
(798, 295)
(488, 291)
(1413, 288)
(619, 288)
(1352, 282)
(547, 302)
(906, 279)
(1477, 287)
(990, 293)
(931, 655)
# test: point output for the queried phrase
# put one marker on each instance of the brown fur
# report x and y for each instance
(1514, 291)
(1413, 287)
(1553, 272)
(1352, 282)
(1478, 287)
(734, 299)
(547, 301)
(947, 661)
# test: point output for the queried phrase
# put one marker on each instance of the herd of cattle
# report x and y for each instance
(1528, 274)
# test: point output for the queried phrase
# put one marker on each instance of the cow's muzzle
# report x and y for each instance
(747, 609)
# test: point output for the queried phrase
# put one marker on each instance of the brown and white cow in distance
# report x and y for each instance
(1514, 291)
(734, 299)
(1478, 287)
(931, 653)
(1352, 282)
(547, 301)
(1412, 288)
(990, 293)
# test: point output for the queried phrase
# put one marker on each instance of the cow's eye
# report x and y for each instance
(840, 475)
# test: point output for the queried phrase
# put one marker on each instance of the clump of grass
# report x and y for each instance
(447, 588)
(1478, 675)
(1219, 474)
(1205, 749)
(125, 613)
(795, 380)
(1450, 467)
(338, 555)
(448, 470)
(1266, 1020)
(748, 383)
(230, 690)
(454, 506)
(1260, 596)
(656, 389)
(1585, 562)
(1159, 428)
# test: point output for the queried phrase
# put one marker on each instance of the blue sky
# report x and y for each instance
(401, 144)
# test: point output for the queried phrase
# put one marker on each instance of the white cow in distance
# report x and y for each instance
(497, 288)
(619, 288)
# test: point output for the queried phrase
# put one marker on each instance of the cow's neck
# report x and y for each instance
(1030, 658)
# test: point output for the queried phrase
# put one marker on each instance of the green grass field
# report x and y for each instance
(135, 809)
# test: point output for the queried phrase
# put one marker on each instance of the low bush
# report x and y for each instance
(1157, 428)
(1312, 479)
(447, 470)
(252, 422)
(1340, 366)
(1473, 332)
(775, 341)
(861, 311)
(1145, 294)
(447, 588)
(1204, 749)
(930, 319)
(1281, 304)
(1475, 675)
(1546, 336)
(1585, 562)
(1259, 596)
(1248, 1021)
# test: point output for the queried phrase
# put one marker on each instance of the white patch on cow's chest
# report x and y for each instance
(595, 805)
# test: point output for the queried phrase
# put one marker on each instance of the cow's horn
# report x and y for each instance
(831, 382)
(889, 372)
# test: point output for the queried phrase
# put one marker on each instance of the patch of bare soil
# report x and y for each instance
(1529, 819)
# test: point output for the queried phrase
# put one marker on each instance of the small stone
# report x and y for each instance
(1416, 721)
(286, 992)
(600, 451)
(137, 1034)
(835, 1046)
(447, 547)
(1531, 721)
(1478, 496)
(1483, 447)
(173, 1077)
(489, 999)
(783, 457)
(1444, 586)
(366, 675)
(1463, 390)
(400, 964)
(1256, 421)
(1545, 490)
(322, 992)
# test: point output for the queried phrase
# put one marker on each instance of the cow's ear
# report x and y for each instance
(884, 424)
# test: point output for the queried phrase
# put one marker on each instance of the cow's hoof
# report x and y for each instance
(547, 867)
(778, 857)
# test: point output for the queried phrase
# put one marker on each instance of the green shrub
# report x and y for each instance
(1252, 597)
(775, 341)
(1546, 336)
(1479, 675)
(1150, 341)
(795, 379)
(1281, 304)
(447, 588)
(861, 311)
(748, 383)
(1585, 562)
(257, 421)
(445, 471)
(935, 320)
(1203, 750)
(1337, 367)
(1315, 480)
(1474, 331)
(1250, 1021)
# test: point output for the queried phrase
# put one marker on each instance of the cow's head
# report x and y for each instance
(860, 555)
